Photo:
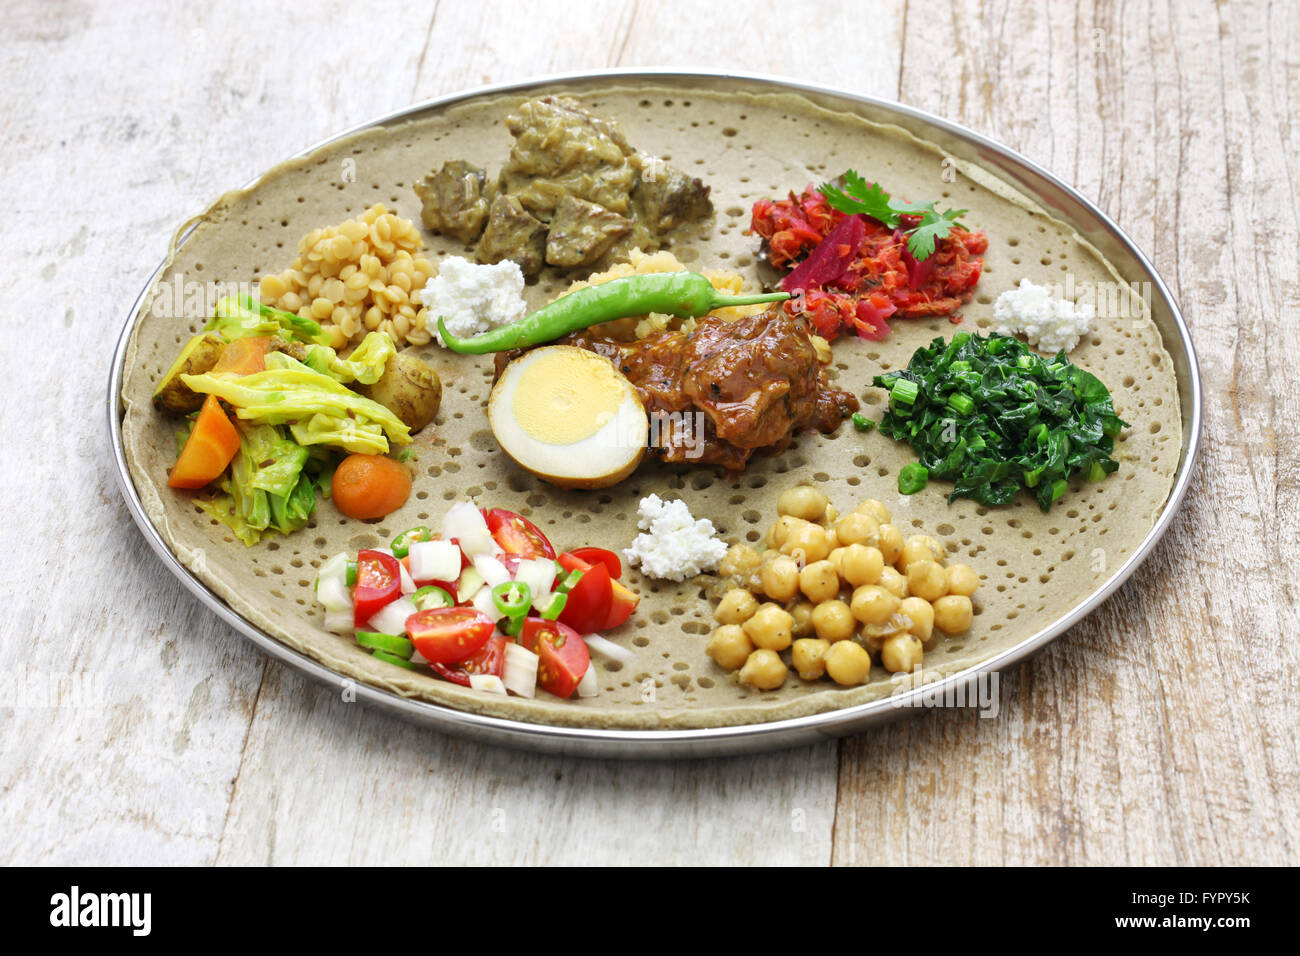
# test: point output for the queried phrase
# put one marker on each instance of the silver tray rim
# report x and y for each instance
(1042, 186)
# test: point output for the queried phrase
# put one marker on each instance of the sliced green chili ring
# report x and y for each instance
(555, 606)
(862, 423)
(512, 626)
(402, 543)
(568, 582)
(350, 578)
(393, 659)
(512, 598)
(388, 643)
(431, 596)
(912, 478)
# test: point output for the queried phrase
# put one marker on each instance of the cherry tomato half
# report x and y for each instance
(622, 603)
(595, 556)
(490, 659)
(517, 535)
(587, 607)
(563, 654)
(379, 582)
(445, 635)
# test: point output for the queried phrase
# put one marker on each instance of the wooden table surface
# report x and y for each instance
(137, 728)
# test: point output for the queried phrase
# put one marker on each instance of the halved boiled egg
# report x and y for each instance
(568, 416)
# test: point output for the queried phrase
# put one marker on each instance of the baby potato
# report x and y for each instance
(875, 510)
(920, 547)
(770, 627)
(736, 607)
(739, 561)
(833, 621)
(953, 614)
(893, 582)
(409, 388)
(847, 663)
(861, 564)
(819, 582)
(921, 614)
(764, 670)
(809, 539)
(872, 604)
(926, 579)
(802, 501)
(901, 653)
(780, 577)
(890, 543)
(962, 579)
(808, 655)
(729, 647)
(857, 528)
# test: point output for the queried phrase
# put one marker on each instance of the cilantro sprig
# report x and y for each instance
(860, 196)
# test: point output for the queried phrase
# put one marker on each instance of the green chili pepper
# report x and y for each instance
(402, 543)
(392, 659)
(912, 478)
(555, 607)
(683, 294)
(568, 582)
(389, 643)
(431, 596)
(512, 598)
(350, 579)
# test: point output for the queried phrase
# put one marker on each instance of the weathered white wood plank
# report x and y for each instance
(1162, 730)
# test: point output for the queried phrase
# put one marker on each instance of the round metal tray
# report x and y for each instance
(1055, 196)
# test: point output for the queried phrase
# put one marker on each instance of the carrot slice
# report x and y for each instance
(209, 449)
(246, 356)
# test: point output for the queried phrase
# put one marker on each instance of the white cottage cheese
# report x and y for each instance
(1050, 324)
(473, 298)
(676, 546)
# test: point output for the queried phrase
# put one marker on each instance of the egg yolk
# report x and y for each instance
(567, 395)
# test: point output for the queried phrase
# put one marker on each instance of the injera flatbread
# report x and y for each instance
(1035, 567)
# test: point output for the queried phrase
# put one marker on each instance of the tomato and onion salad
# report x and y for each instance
(485, 602)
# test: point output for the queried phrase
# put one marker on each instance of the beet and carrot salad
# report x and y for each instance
(854, 271)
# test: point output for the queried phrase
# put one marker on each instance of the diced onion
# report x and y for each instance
(333, 594)
(520, 672)
(434, 561)
(589, 686)
(468, 583)
(603, 645)
(335, 567)
(482, 600)
(391, 618)
(493, 571)
(539, 575)
(488, 682)
(465, 523)
(408, 583)
(339, 622)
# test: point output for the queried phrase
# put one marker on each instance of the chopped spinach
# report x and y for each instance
(994, 417)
